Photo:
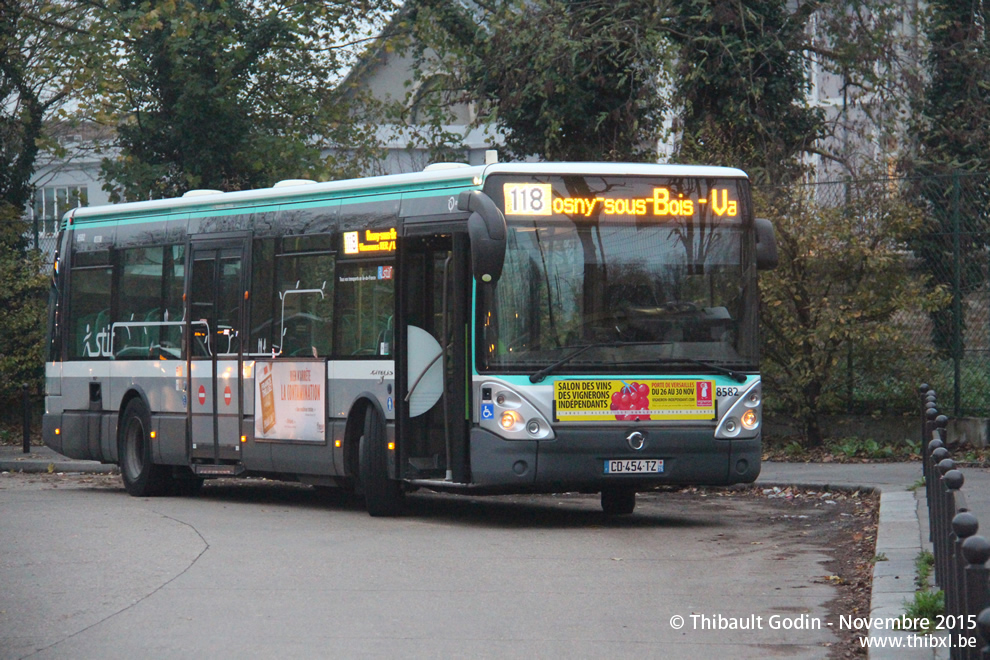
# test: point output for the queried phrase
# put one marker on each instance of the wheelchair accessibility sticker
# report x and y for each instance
(488, 411)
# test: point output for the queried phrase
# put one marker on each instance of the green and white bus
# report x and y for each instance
(507, 328)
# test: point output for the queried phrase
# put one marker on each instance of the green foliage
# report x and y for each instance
(231, 94)
(923, 564)
(929, 605)
(45, 53)
(23, 299)
(843, 280)
(863, 448)
(952, 137)
(561, 80)
(743, 85)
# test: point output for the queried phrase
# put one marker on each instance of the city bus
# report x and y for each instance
(495, 329)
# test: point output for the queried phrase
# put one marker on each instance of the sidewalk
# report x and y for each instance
(901, 535)
(902, 531)
(43, 459)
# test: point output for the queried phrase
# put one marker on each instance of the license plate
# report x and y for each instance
(634, 466)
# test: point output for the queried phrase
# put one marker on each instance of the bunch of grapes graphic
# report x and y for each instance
(630, 400)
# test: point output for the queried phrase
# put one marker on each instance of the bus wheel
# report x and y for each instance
(618, 501)
(382, 496)
(142, 478)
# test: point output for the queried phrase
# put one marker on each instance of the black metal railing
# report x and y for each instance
(960, 554)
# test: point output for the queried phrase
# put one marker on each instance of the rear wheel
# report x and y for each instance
(618, 501)
(142, 478)
(382, 496)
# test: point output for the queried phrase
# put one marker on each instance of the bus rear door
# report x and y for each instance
(215, 313)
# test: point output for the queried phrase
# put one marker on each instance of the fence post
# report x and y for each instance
(964, 526)
(976, 550)
(956, 294)
(26, 401)
(922, 392)
(933, 485)
(942, 524)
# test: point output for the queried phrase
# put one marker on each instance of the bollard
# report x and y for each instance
(952, 558)
(964, 527)
(922, 392)
(941, 427)
(976, 550)
(983, 625)
(27, 419)
(937, 453)
(942, 523)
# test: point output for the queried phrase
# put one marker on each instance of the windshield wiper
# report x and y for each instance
(547, 370)
(734, 375)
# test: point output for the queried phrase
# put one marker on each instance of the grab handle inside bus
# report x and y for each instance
(486, 227)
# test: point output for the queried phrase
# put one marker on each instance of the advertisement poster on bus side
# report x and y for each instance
(289, 401)
(619, 400)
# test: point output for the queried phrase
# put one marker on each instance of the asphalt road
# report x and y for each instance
(257, 569)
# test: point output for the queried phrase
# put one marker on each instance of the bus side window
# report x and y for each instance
(139, 303)
(89, 310)
(366, 302)
(303, 319)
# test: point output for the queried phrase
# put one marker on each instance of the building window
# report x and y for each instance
(51, 203)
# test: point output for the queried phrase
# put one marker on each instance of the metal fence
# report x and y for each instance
(951, 251)
(960, 554)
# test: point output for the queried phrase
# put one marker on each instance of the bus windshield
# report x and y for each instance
(639, 273)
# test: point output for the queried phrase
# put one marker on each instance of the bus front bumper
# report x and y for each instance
(577, 458)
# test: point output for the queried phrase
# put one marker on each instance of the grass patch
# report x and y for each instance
(927, 605)
(923, 565)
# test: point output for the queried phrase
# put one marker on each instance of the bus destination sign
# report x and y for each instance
(538, 199)
(369, 242)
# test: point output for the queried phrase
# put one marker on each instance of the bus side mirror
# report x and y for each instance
(486, 227)
(766, 245)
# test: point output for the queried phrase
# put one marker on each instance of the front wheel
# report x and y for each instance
(383, 496)
(618, 501)
(142, 478)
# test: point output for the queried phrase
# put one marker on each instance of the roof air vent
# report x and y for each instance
(288, 183)
(444, 166)
(201, 192)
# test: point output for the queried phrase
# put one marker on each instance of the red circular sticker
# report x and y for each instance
(226, 395)
(202, 395)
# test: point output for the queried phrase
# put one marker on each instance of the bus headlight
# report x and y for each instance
(742, 415)
(508, 420)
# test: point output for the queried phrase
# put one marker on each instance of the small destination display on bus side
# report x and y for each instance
(619, 400)
(538, 199)
(370, 242)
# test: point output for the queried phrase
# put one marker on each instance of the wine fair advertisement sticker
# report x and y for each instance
(620, 400)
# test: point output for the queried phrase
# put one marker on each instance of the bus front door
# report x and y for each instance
(432, 365)
(214, 326)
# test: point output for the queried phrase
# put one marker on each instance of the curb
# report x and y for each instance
(34, 464)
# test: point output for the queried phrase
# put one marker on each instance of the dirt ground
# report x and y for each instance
(844, 525)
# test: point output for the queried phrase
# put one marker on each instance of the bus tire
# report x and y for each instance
(618, 500)
(382, 496)
(142, 478)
